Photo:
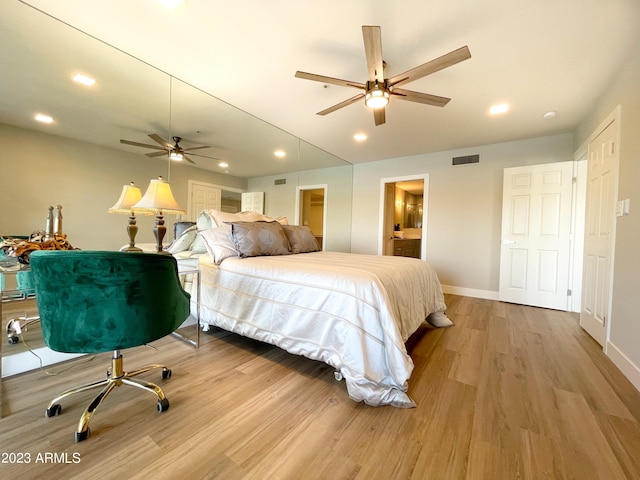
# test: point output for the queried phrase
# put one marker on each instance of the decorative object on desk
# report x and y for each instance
(57, 221)
(129, 196)
(48, 229)
(158, 200)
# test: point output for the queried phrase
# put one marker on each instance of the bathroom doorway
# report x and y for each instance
(311, 210)
(403, 216)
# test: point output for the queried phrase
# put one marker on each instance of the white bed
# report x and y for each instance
(353, 312)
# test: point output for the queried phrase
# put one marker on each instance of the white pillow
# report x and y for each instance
(184, 240)
(221, 217)
(219, 243)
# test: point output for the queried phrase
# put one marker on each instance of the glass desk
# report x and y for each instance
(189, 273)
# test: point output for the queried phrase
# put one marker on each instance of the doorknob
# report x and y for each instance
(508, 242)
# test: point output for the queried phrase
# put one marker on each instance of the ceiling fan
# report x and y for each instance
(175, 151)
(378, 90)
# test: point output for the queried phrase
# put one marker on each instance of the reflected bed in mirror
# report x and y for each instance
(77, 160)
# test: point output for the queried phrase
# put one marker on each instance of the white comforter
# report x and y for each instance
(353, 312)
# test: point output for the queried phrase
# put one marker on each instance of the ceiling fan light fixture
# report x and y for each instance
(176, 156)
(376, 97)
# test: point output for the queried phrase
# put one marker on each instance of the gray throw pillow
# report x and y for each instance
(253, 239)
(301, 239)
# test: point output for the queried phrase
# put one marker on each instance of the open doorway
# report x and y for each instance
(403, 215)
(311, 210)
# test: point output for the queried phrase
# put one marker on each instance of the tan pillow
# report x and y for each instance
(301, 239)
(253, 239)
(221, 217)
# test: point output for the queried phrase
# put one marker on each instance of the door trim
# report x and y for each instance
(425, 209)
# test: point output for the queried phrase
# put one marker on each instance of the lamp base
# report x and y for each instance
(129, 248)
(159, 231)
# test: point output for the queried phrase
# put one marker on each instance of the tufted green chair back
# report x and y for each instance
(95, 301)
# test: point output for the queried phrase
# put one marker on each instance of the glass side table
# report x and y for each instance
(189, 273)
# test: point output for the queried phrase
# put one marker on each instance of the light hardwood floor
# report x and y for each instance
(509, 392)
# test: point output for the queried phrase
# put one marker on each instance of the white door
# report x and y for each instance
(536, 235)
(252, 202)
(602, 168)
(202, 196)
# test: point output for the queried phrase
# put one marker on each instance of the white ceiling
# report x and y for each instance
(535, 55)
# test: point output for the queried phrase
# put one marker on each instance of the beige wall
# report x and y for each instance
(38, 170)
(624, 90)
(464, 205)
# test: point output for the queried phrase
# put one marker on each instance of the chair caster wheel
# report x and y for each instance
(13, 340)
(53, 411)
(163, 405)
(338, 375)
(166, 373)
(81, 436)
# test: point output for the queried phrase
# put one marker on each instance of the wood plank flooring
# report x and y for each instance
(509, 392)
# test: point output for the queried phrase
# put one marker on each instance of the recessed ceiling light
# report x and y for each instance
(42, 118)
(169, 4)
(88, 81)
(223, 164)
(550, 114)
(279, 153)
(497, 109)
(360, 137)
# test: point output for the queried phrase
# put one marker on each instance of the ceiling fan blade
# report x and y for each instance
(203, 156)
(433, 66)
(379, 116)
(188, 159)
(331, 80)
(157, 154)
(419, 97)
(137, 144)
(373, 50)
(188, 149)
(342, 104)
(160, 140)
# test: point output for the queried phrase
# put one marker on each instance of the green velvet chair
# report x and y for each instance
(92, 302)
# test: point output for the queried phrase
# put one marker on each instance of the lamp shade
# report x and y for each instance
(128, 198)
(158, 199)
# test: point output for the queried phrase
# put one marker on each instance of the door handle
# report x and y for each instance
(508, 242)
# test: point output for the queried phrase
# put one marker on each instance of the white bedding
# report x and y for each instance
(353, 312)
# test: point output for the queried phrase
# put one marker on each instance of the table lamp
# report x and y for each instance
(158, 200)
(129, 196)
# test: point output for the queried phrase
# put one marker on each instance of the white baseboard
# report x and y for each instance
(26, 360)
(470, 292)
(624, 364)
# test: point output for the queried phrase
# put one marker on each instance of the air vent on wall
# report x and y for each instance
(466, 160)
(280, 181)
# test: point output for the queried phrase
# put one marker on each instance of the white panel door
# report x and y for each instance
(202, 197)
(252, 202)
(602, 168)
(536, 235)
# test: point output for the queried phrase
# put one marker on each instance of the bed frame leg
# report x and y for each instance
(338, 375)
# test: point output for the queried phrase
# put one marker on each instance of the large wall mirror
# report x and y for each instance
(78, 161)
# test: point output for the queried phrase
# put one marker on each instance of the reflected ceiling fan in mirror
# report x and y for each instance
(378, 90)
(174, 151)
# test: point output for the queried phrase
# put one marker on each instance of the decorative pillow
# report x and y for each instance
(184, 241)
(204, 220)
(219, 243)
(301, 239)
(221, 217)
(252, 239)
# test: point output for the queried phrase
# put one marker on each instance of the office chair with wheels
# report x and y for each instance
(93, 302)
